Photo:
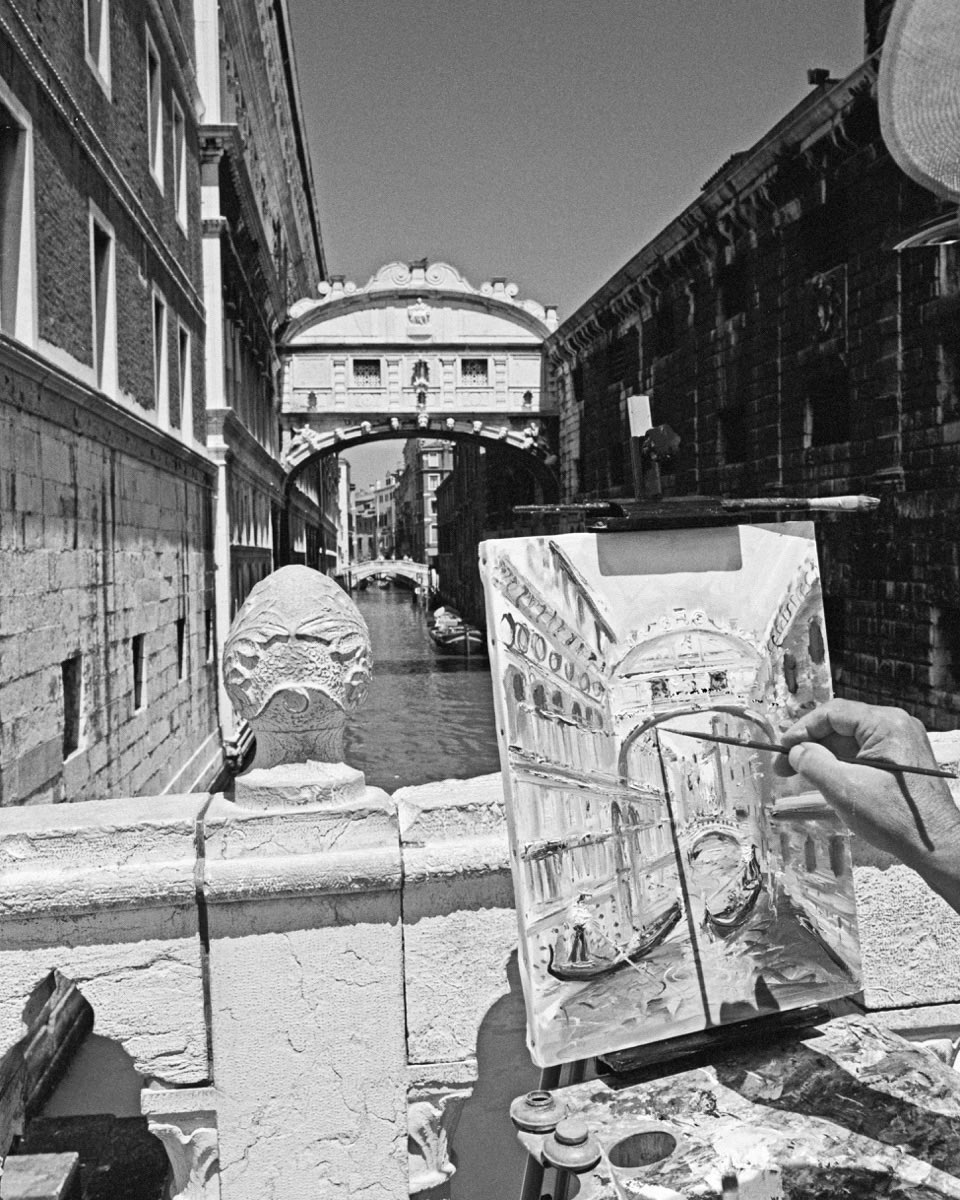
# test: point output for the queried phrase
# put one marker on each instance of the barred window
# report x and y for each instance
(366, 372)
(474, 372)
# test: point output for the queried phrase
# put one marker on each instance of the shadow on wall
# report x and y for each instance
(488, 1157)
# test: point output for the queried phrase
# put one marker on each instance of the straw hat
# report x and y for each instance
(919, 92)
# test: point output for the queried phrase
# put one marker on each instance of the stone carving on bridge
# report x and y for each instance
(297, 660)
(666, 881)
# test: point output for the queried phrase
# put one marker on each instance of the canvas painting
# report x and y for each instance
(666, 882)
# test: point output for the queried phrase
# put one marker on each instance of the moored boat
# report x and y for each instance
(452, 635)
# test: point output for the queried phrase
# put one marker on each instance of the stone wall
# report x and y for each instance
(796, 351)
(105, 537)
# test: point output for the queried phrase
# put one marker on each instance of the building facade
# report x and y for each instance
(156, 215)
(261, 248)
(426, 464)
(108, 680)
(795, 326)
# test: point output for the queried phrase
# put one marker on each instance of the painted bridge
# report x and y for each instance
(417, 572)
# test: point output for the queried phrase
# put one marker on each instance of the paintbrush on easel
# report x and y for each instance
(777, 748)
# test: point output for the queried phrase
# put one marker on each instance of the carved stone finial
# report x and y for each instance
(296, 661)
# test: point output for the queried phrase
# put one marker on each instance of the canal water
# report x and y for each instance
(428, 716)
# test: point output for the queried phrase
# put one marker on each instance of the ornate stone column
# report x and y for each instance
(301, 881)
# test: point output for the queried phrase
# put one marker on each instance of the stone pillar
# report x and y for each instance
(302, 889)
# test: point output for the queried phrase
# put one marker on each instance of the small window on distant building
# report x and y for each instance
(474, 372)
(528, 399)
(104, 304)
(71, 678)
(16, 222)
(154, 112)
(161, 380)
(96, 37)
(139, 683)
(366, 372)
(179, 164)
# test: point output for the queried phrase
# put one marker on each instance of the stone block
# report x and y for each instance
(460, 927)
(41, 1177)
(306, 996)
(104, 892)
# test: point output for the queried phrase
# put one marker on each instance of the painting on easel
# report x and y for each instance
(666, 883)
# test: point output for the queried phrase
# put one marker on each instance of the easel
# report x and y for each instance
(577, 1150)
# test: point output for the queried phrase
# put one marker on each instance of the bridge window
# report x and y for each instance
(474, 372)
(366, 372)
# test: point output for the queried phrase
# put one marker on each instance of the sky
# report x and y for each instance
(544, 142)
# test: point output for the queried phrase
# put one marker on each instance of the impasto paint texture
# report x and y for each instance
(665, 883)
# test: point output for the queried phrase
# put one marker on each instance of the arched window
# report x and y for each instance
(576, 713)
(810, 854)
(557, 701)
(519, 691)
(838, 857)
(539, 697)
(784, 847)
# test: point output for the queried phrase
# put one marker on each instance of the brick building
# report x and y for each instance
(796, 327)
(261, 248)
(108, 676)
(145, 260)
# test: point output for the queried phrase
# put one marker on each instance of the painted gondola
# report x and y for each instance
(646, 940)
(742, 901)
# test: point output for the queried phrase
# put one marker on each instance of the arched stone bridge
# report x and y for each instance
(308, 442)
(417, 572)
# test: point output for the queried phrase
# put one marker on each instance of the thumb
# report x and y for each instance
(817, 765)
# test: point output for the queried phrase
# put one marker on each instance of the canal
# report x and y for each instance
(428, 716)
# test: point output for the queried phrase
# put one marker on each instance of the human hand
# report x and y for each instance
(911, 816)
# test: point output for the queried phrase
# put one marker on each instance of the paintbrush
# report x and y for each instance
(880, 763)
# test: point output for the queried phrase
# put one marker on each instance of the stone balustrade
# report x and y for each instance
(316, 981)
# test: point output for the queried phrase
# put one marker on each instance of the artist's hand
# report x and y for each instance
(911, 816)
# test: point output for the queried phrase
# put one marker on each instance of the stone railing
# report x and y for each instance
(317, 982)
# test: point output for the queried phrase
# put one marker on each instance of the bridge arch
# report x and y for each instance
(416, 572)
(528, 444)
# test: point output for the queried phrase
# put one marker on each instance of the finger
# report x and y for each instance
(844, 717)
(837, 782)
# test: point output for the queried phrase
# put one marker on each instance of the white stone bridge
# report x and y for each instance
(416, 572)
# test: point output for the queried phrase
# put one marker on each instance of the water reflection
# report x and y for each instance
(428, 716)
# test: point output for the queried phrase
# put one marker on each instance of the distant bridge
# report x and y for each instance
(416, 572)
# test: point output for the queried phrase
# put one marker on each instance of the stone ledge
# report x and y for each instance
(276, 877)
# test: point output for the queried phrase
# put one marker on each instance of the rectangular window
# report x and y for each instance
(734, 434)
(103, 303)
(161, 388)
(208, 640)
(154, 112)
(181, 647)
(179, 164)
(474, 372)
(945, 673)
(136, 655)
(96, 37)
(16, 221)
(827, 416)
(184, 414)
(733, 287)
(71, 679)
(366, 372)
